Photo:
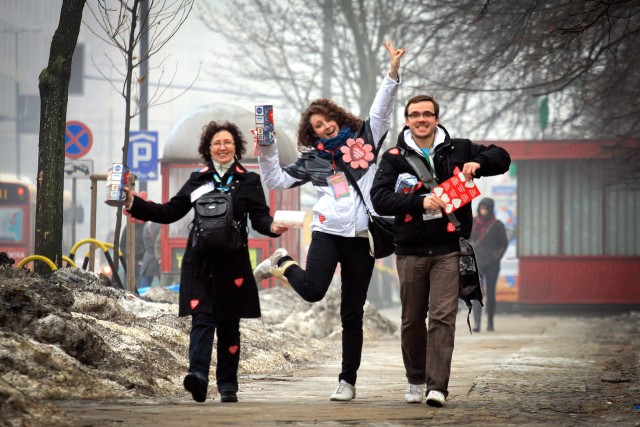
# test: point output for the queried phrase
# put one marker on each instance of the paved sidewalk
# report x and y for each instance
(535, 369)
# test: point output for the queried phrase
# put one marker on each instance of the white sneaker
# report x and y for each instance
(414, 393)
(263, 270)
(435, 398)
(344, 392)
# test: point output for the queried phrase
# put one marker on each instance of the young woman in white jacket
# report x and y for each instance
(331, 139)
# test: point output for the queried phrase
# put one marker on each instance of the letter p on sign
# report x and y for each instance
(143, 154)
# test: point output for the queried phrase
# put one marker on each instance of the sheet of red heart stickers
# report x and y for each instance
(456, 191)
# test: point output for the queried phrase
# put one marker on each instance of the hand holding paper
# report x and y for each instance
(457, 191)
(289, 218)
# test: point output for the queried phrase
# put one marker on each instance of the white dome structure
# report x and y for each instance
(184, 137)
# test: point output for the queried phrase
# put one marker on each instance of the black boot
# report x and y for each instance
(228, 396)
(197, 386)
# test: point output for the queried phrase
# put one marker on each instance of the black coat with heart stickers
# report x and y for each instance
(220, 283)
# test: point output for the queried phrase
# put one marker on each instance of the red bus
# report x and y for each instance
(16, 218)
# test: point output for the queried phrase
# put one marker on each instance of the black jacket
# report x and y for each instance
(220, 283)
(413, 235)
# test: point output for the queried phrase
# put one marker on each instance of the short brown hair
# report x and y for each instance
(422, 98)
(211, 129)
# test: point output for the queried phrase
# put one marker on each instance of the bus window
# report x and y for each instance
(11, 224)
(15, 218)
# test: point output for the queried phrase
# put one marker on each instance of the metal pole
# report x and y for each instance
(92, 225)
(17, 93)
(144, 72)
(131, 246)
(73, 210)
(327, 48)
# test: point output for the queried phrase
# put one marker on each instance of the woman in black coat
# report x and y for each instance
(216, 288)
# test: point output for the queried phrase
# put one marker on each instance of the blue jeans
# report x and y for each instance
(356, 266)
(203, 326)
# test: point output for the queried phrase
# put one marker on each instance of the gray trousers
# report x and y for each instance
(428, 286)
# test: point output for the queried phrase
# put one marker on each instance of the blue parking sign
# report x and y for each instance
(143, 154)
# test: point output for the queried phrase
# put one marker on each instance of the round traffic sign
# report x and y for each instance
(77, 140)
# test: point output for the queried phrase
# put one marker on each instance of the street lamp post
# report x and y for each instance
(16, 34)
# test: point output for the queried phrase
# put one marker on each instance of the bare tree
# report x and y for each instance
(54, 90)
(491, 64)
(123, 24)
(280, 44)
(585, 56)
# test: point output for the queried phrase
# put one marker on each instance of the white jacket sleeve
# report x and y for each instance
(273, 176)
(382, 107)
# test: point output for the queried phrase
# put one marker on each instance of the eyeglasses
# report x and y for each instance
(218, 144)
(426, 115)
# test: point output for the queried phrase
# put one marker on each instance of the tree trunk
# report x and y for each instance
(54, 90)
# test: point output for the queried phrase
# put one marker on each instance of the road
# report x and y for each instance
(561, 370)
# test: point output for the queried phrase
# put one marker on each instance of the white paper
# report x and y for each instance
(289, 218)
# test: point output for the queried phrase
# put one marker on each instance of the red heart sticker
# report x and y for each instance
(233, 349)
(194, 303)
(451, 228)
(239, 281)
(407, 218)
(394, 151)
(322, 218)
(238, 169)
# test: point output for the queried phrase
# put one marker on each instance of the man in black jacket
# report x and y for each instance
(427, 244)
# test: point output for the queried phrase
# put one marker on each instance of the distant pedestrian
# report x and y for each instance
(151, 259)
(489, 239)
(139, 251)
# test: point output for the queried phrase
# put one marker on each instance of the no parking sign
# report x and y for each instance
(77, 140)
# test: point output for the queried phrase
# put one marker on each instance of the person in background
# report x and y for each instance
(489, 240)
(427, 245)
(217, 289)
(139, 251)
(330, 139)
(151, 260)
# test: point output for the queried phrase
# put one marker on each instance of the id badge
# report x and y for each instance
(339, 185)
(202, 190)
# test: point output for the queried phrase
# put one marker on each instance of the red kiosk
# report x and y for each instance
(578, 237)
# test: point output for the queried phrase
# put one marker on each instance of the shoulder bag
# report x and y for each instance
(380, 228)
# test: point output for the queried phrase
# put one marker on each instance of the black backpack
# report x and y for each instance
(214, 228)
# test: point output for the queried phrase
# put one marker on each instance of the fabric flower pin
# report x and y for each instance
(357, 153)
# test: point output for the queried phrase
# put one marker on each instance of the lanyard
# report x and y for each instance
(332, 153)
(218, 182)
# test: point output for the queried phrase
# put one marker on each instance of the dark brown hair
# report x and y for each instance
(328, 109)
(213, 128)
(422, 98)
